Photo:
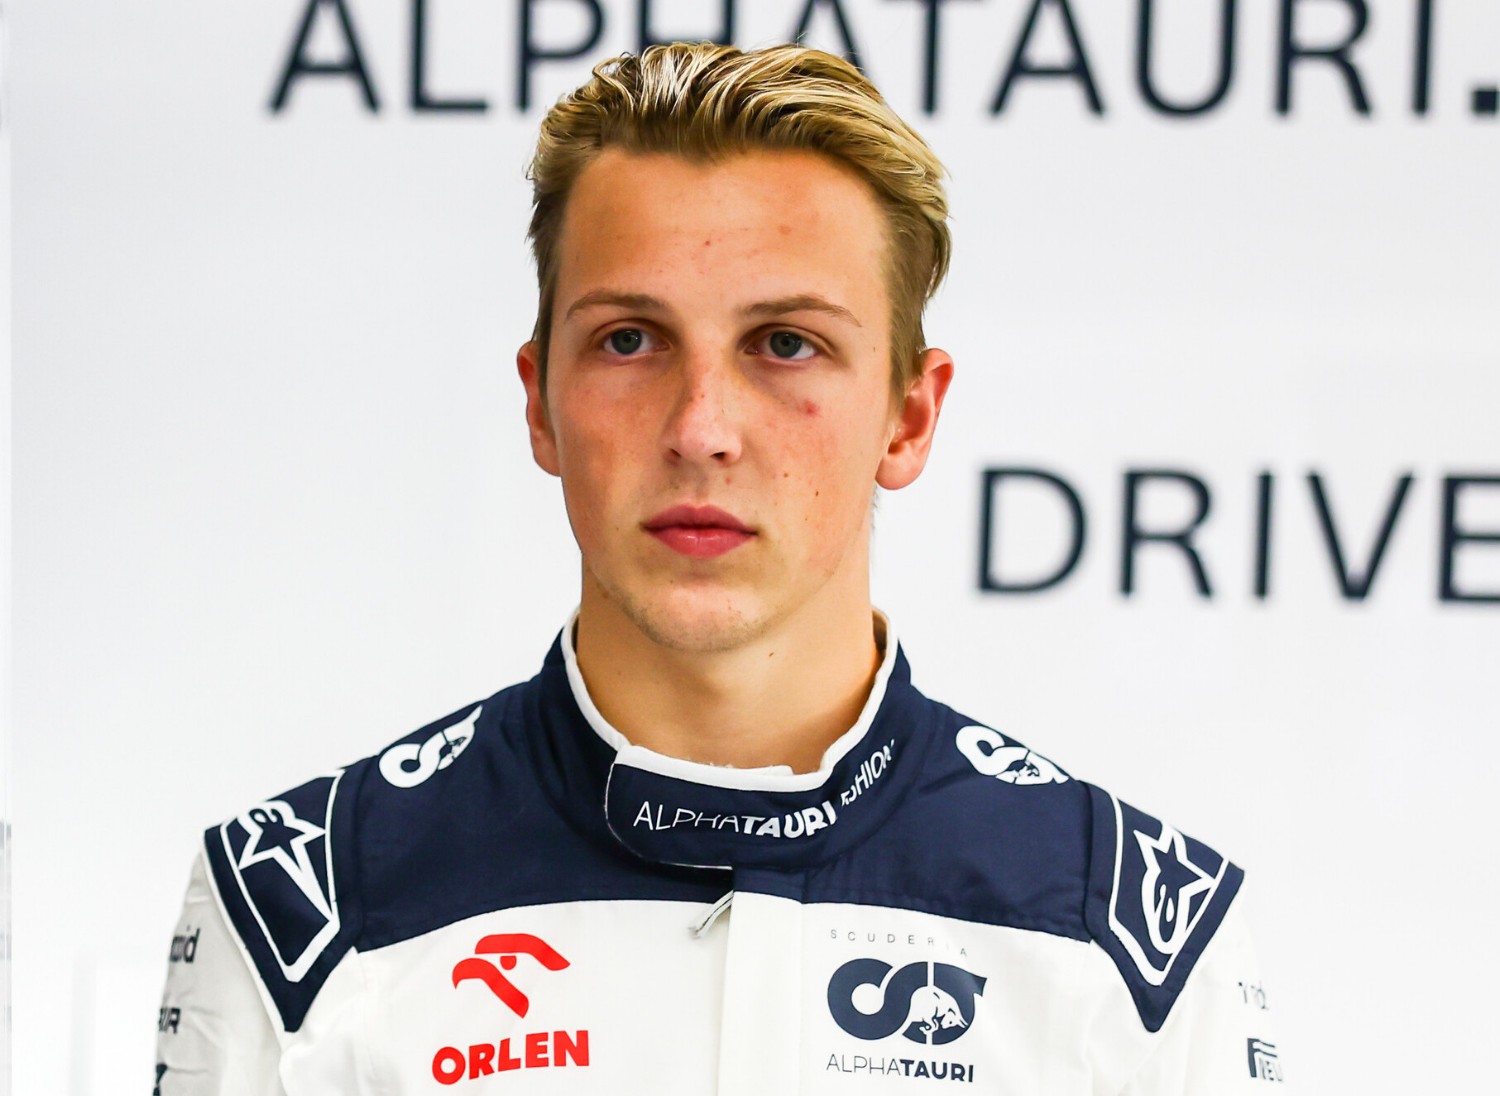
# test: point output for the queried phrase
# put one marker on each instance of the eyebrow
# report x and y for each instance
(635, 302)
(780, 306)
(802, 302)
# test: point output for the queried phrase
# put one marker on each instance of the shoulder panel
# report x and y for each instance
(278, 870)
(990, 832)
(285, 870)
(1156, 897)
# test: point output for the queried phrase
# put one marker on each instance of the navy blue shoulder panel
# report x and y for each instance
(283, 872)
(1156, 897)
(991, 832)
(458, 820)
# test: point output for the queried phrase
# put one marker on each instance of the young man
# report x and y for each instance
(719, 843)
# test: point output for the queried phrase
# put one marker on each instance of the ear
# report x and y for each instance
(543, 443)
(916, 422)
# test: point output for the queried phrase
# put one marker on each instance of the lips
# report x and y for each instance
(699, 532)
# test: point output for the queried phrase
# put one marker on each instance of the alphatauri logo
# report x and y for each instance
(992, 754)
(411, 763)
(929, 1003)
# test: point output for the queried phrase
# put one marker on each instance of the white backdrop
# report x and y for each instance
(273, 505)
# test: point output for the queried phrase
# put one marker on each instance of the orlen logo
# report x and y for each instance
(537, 1049)
(506, 946)
(930, 1003)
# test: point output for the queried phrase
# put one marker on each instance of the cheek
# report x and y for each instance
(829, 476)
(596, 458)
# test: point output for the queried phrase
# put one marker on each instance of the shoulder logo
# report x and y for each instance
(1170, 886)
(1162, 887)
(929, 1003)
(411, 763)
(279, 855)
(276, 834)
(992, 754)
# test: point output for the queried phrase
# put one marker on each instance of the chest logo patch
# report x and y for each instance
(546, 1049)
(506, 947)
(928, 1003)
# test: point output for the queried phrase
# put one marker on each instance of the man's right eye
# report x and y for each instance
(627, 340)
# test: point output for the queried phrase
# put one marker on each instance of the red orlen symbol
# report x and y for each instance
(507, 945)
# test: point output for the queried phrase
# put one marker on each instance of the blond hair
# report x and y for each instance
(706, 101)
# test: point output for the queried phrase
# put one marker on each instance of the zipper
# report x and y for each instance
(706, 922)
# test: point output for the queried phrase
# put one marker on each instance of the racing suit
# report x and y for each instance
(515, 898)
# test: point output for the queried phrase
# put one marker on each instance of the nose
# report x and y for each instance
(703, 425)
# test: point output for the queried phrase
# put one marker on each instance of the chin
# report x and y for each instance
(698, 621)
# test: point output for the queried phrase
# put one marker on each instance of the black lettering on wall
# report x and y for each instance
(1144, 52)
(1355, 586)
(850, 52)
(531, 53)
(1135, 536)
(645, 32)
(931, 38)
(1264, 493)
(421, 99)
(1077, 69)
(1454, 538)
(298, 64)
(1292, 50)
(989, 513)
(1421, 80)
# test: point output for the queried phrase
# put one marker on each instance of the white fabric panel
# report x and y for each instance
(215, 1037)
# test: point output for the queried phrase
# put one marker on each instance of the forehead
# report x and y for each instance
(773, 223)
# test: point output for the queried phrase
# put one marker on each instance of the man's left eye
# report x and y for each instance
(627, 340)
(788, 345)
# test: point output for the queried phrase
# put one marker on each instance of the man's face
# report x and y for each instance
(718, 390)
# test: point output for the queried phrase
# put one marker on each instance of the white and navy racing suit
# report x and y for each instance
(516, 899)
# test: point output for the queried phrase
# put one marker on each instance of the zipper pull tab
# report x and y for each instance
(713, 914)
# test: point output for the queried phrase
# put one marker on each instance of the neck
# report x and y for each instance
(781, 698)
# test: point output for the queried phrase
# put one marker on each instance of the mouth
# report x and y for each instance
(699, 532)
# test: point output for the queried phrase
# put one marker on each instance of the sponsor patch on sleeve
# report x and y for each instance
(1156, 897)
(273, 865)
